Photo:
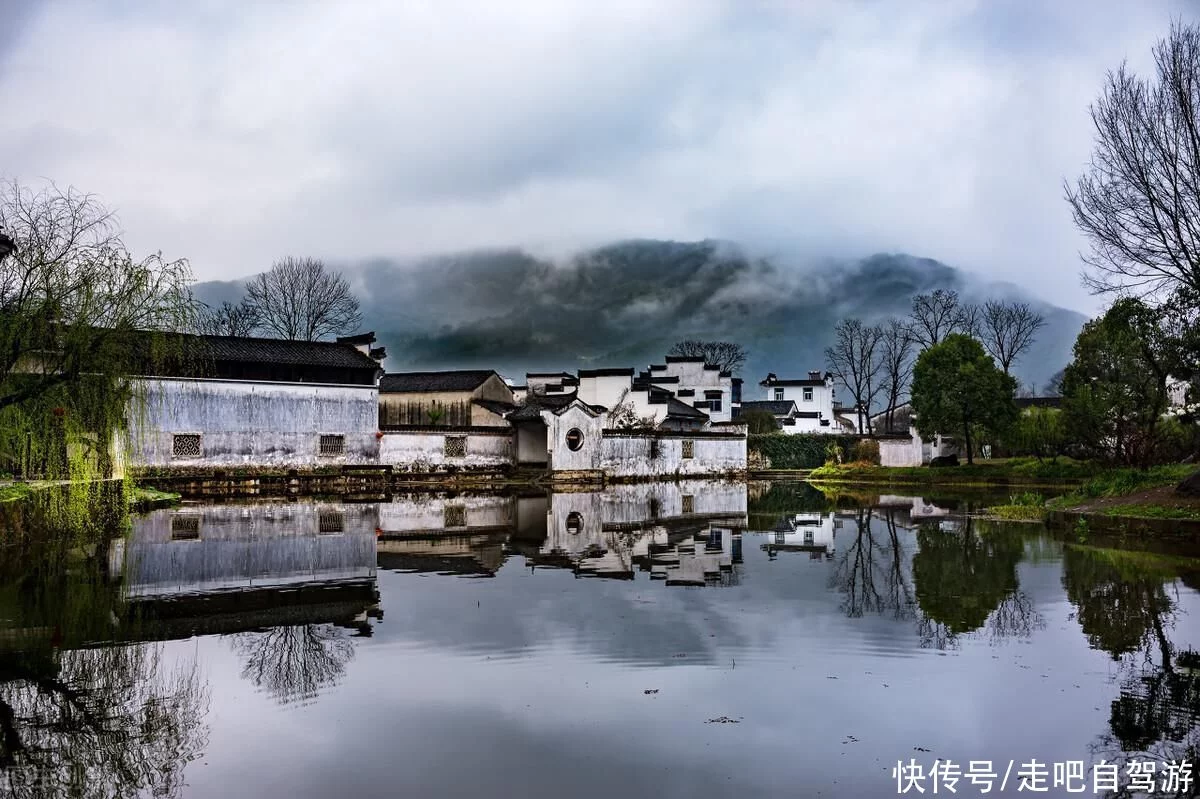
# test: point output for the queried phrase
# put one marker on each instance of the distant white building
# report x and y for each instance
(702, 385)
(817, 408)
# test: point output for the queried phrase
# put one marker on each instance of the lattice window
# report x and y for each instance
(331, 445)
(330, 522)
(185, 445)
(454, 516)
(689, 503)
(185, 528)
(455, 447)
(689, 448)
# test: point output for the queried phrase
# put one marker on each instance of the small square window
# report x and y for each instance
(689, 448)
(454, 516)
(185, 528)
(331, 445)
(331, 522)
(185, 445)
(779, 395)
(689, 504)
(715, 405)
(807, 394)
(455, 447)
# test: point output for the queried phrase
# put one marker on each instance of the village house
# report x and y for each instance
(225, 401)
(475, 397)
(901, 445)
(696, 382)
(817, 409)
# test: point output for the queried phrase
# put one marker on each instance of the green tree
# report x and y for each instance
(74, 307)
(760, 421)
(1115, 389)
(1038, 432)
(956, 386)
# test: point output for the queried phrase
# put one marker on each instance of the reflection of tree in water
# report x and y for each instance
(77, 719)
(295, 663)
(870, 570)
(103, 722)
(1124, 608)
(967, 580)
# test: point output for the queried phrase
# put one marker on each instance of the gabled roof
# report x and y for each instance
(271, 350)
(406, 382)
(495, 406)
(531, 411)
(681, 410)
(775, 407)
(607, 372)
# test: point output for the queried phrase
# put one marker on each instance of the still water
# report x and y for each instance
(669, 640)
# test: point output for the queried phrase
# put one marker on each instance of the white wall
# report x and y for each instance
(693, 375)
(425, 450)
(562, 457)
(606, 390)
(901, 451)
(420, 514)
(248, 423)
(630, 455)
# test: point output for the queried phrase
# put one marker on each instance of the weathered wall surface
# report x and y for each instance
(661, 455)
(425, 450)
(562, 457)
(901, 451)
(222, 547)
(245, 423)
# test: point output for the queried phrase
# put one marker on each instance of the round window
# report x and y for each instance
(574, 439)
(574, 523)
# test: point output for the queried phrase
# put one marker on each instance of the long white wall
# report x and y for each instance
(425, 450)
(248, 423)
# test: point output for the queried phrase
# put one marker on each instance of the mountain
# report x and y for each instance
(626, 303)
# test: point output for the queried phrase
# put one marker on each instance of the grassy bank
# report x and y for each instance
(997, 472)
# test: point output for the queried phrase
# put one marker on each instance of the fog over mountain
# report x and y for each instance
(626, 303)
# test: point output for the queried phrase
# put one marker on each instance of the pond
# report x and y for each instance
(695, 639)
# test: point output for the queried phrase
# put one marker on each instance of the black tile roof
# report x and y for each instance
(678, 409)
(406, 382)
(776, 407)
(607, 372)
(250, 358)
(536, 403)
(495, 406)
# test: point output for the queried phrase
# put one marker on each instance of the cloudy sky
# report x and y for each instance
(232, 132)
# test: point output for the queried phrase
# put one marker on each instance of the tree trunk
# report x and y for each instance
(967, 438)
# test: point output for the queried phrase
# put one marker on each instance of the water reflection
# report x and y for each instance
(876, 617)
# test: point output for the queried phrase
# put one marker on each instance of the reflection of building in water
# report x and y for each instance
(913, 510)
(462, 535)
(230, 567)
(814, 533)
(687, 532)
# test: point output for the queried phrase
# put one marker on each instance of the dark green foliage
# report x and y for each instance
(1038, 432)
(1114, 391)
(760, 421)
(799, 451)
(865, 451)
(958, 389)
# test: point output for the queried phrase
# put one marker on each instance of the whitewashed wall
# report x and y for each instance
(425, 450)
(562, 458)
(247, 423)
(625, 455)
(901, 451)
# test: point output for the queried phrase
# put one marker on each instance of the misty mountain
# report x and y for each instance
(626, 303)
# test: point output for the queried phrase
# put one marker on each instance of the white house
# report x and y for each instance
(696, 382)
(817, 409)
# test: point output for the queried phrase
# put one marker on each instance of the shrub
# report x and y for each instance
(759, 422)
(865, 451)
(801, 450)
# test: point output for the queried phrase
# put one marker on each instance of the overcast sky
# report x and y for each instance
(232, 133)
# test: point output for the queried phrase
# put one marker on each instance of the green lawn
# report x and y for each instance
(996, 471)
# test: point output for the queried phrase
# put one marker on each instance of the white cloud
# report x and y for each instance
(233, 133)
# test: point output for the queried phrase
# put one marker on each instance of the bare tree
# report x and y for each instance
(854, 361)
(970, 319)
(1139, 201)
(294, 664)
(228, 319)
(1007, 329)
(301, 300)
(725, 354)
(895, 351)
(935, 316)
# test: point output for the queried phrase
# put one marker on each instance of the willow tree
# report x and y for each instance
(76, 310)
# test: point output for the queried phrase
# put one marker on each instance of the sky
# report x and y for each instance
(233, 133)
